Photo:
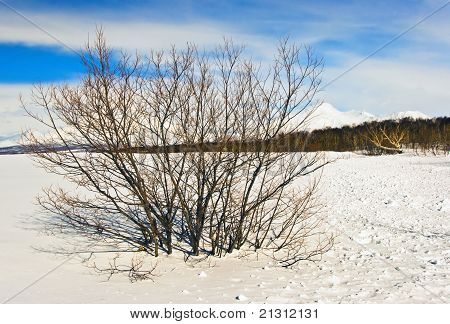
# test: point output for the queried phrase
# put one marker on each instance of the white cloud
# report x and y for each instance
(13, 118)
(383, 86)
(74, 30)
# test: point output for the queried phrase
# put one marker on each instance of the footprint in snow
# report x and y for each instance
(241, 297)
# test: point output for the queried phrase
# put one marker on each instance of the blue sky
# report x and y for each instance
(413, 73)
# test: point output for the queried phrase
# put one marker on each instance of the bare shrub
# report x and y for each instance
(386, 138)
(170, 152)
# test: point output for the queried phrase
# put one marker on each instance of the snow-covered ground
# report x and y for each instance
(391, 214)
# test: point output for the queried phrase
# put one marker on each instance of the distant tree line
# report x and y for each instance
(388, 136)
(376, 137)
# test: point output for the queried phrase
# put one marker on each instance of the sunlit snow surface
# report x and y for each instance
(392, 214)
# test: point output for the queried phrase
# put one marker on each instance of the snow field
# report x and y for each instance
(391, 215)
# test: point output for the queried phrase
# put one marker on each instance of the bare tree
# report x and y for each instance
(386, 138)
(135, 193)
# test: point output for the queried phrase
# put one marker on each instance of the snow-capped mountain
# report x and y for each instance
(326, 115)
(407, 114)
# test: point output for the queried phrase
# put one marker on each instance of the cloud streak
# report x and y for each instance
(74, 30)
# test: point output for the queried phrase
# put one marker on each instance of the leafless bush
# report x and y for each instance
(119, 127)
(386, 138)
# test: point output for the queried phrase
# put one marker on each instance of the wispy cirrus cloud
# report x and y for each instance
(132, 34)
